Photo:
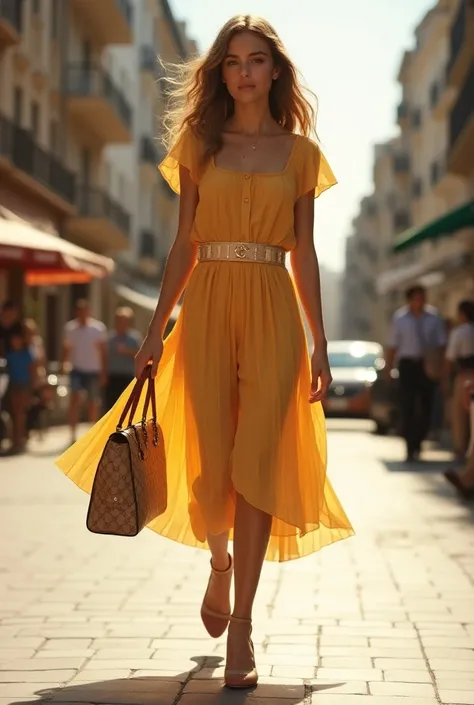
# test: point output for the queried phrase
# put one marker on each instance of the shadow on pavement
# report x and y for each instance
(418, 467)
(169, 689)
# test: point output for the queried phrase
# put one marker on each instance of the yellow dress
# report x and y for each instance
(234, 380)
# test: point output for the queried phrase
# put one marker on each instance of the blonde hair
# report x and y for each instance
(199, 100)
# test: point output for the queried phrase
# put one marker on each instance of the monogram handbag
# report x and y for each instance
(130, 486)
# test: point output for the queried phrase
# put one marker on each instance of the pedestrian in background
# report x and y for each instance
(22, 380)
(123, 345)
(416, 344)
(463, 480)
(85, 349)
(238, 398)
(10, 324)
(459, 367)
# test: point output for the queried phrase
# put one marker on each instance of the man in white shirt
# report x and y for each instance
(85, 347)
(417, 338)
(460, 363)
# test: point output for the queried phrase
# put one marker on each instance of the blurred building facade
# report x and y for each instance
(60, 107)
(424, 178)
(80, 104)
(159, 39)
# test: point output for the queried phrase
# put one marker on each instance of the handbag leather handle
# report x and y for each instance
(134, 398)
(150, 396)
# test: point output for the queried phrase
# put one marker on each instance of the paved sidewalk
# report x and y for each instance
(385, 618)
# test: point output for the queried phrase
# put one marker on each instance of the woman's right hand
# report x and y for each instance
(151, 351)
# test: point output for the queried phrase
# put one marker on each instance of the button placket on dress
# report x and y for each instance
(246, 204)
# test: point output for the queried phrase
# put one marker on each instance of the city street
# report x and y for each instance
(384, 618)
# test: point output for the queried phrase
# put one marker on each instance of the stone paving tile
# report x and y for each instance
(9, 654)
(408, 676)
(332, 687)
(466, 684)
(35, 676)
(353, 674)
(403, 689)
(458, 697)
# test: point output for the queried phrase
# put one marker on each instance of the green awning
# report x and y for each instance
(457, 219)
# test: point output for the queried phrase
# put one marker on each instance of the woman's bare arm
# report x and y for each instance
(304, 263)
(182, 256)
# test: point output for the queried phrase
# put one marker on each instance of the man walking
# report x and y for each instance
(124, 343)
(85, 347)
(417, 342)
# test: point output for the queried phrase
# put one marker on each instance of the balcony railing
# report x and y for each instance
(458, 31)
(95, 203)
(11, 11)
(148, 151)
(463, 111)
(19, 146)
(147, 243)
(83, 80)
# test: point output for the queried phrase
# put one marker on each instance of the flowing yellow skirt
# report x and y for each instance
(232, 397)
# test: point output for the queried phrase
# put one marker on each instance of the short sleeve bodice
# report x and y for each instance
(239, 206)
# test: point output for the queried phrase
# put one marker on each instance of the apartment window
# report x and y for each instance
(55, 19)
(434, 94)
(86, 54)
(401, 220)
(435, 173)
(18, 106)
(147, 244)
(35, 119)
(417, 188)
(85, 170)
(416, 119)
(54, 137)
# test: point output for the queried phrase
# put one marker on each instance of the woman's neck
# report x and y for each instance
(252, 120)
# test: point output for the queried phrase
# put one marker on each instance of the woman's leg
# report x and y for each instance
(251, 536)
(219, 550)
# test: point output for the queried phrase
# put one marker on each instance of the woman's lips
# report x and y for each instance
(246, 87)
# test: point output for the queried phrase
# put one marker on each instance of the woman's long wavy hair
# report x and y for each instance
(199, 100)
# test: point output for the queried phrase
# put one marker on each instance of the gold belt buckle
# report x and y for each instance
(240, 251)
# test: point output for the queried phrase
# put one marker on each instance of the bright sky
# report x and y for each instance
(349, 52)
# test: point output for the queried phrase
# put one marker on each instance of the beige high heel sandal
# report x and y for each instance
(237, 678)
(216, 622)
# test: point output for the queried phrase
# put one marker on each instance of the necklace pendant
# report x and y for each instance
(254, 147)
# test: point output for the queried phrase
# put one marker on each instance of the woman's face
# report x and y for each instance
(248, 69)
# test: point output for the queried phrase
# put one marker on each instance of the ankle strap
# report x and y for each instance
(240, 620)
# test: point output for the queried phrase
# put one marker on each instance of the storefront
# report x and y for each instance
(44, 273)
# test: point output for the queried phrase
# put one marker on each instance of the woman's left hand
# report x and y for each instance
(321, 376)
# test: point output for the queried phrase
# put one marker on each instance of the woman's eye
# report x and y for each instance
(232, 62)
(258, 61)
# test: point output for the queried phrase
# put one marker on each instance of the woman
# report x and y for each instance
(460, 364)
(238, 402)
